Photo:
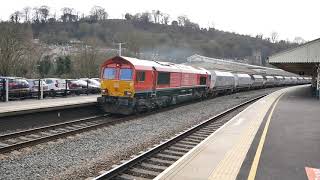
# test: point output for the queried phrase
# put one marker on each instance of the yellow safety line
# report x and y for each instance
(255, 163)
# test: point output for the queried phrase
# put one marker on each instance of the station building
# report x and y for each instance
(303, 60)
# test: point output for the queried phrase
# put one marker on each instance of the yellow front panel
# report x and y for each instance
(118, 87)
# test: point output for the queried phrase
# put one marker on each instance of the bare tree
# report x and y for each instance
(165, 19)
(44, 13)
(86, 64)
(182, 20)
(15, 17)
(14, 48)
(299, 40)
(259, 36)
(26, 14)
(68, 15)
(36, 15)
(67, 10)
(98, 13)
(274, 37)
(128, 16)
(156, 16)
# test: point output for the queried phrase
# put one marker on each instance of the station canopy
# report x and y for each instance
(301, 60)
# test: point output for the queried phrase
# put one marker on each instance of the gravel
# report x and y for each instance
(86, 154)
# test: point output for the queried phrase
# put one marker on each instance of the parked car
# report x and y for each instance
(84, 85)
(96, 79)
(18, 87)
(74, 87)
(56, 86)
(34, 86)
(93, 81)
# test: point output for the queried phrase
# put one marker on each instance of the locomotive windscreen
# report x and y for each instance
(125, 74)
(109, 73)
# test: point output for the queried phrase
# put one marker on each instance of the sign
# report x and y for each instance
(312, 173)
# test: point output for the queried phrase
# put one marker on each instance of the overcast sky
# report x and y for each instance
(290, 18)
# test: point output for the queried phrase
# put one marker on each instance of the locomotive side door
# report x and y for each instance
(154, 81)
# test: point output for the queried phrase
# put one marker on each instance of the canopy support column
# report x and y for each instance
(318, 82)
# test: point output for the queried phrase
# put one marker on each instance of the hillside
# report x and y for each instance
(74, 46)
(167, 41)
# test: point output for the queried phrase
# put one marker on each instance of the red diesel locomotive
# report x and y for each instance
(131, 85)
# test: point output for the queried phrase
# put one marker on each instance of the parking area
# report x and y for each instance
(17, 88)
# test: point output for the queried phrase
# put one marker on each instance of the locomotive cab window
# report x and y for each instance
(109, 73)
(140, 76)
(203, 80)
(125, 74)
(163, 78)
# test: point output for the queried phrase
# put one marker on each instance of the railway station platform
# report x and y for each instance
(277, 137)
(29, 106)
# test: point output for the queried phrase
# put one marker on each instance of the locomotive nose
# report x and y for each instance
(118, 88)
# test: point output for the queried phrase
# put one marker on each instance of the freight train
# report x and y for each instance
(130, 85)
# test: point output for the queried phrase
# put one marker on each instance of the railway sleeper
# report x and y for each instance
(194, 140)
(142, 173)
(200, 136)
(167, 157)
(34, 135)
(12, 141)
(173, 153)
(210, 128)
(187, 143)
(3, 145)
(204, 132)
(152, 167)
(176, 149)
(207, 130)
(184, 145)
(25, 138)
(160, 162)
(129, 177)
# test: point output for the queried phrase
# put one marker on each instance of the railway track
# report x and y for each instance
(151, 163)
(26, 138)
(21, 139)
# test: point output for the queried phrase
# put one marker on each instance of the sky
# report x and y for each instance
(289, 18)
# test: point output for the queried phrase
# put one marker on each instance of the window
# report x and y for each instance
(163, 78)
(125, 74)
(48, 81)
(203, 80)
(109, 73)
(140, 76)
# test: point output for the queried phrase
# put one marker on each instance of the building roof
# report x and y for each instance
(306, 53)
(235, 67)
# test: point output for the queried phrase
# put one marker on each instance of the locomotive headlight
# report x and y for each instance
(104, 91)
(127, 93)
